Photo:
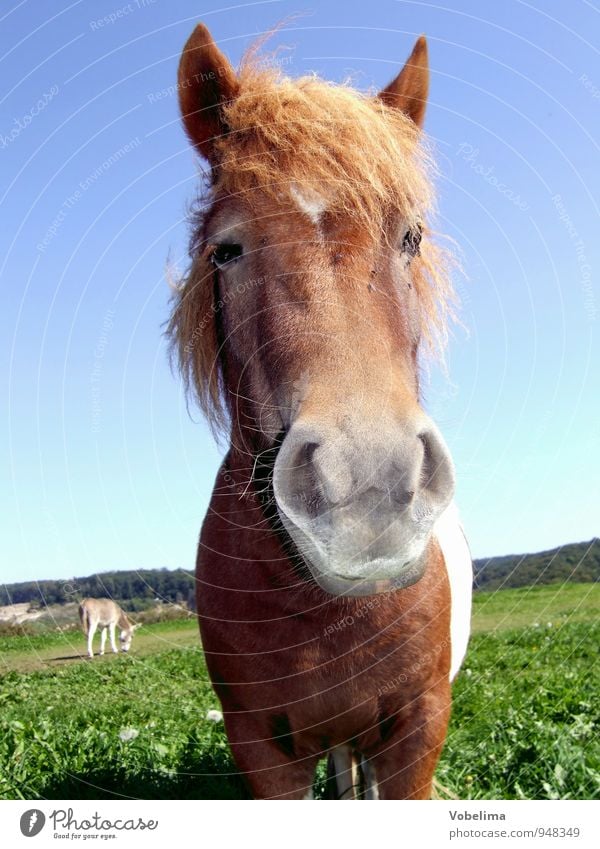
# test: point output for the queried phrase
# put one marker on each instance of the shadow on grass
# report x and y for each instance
(65, 657)
(202, 778)
(199, 776)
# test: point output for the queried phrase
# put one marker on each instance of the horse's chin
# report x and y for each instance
(340, 572)
(338, 584)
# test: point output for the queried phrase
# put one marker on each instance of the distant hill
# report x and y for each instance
(578, 562)
(136, 590)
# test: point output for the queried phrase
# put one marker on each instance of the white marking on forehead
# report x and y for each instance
(310, 203)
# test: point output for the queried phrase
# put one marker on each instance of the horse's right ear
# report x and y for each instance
(205, 82)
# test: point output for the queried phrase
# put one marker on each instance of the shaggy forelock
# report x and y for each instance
(370, 162)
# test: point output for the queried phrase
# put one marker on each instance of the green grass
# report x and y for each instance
(524, 723)
(60, 731)
(526, 716)
(520, 608)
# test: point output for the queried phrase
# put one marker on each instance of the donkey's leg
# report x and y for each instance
(402, 765)
(91, 632)
(113, 645)
(102, 640)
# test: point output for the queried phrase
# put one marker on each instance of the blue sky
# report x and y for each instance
(104, 467)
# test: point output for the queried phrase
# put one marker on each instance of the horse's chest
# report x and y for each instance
(319, 672)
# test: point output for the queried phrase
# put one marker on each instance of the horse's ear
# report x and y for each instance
(205, 81)
(409, 90)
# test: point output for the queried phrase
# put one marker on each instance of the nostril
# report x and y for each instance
(307, 452)
(437, 474)
(304, 493)
(400, 494)
(426, 466)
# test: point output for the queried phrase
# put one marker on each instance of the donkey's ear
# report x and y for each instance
(409, 90)
(205, 81)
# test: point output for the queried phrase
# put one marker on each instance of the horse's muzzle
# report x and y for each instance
(360, 503)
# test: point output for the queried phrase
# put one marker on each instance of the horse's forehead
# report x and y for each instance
(229, 212)
(310, 202)
(299, 209)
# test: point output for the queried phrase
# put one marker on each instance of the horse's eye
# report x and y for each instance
(224, 254)
(412, 241)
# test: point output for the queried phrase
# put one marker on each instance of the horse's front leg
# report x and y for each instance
(266, 755)
(402, 765)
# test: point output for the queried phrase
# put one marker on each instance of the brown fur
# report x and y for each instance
(378, 680)
(290, 688)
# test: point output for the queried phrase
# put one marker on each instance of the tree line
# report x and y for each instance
(133, 589)
(143, 588)
(577, 562)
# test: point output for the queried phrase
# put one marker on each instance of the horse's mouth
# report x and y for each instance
(346, 573)
(340, 584)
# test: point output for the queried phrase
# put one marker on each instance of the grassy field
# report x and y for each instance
(524, 724)
(47, 651)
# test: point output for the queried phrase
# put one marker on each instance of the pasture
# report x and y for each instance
(524, 723)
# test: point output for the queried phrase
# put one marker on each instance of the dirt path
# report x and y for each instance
(72, 649)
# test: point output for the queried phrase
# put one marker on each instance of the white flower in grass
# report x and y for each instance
(127, 734)
(214, 716)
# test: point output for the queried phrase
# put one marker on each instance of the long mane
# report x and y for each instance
(367, 158)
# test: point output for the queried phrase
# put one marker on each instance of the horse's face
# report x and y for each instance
(321, 335)
(319, 324)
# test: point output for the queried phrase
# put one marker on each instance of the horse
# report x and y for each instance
(107, 614)
(333, 576)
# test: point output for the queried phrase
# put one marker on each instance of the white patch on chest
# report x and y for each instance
(459, 566)
(310, 203)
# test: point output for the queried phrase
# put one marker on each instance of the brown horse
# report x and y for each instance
(333, 580)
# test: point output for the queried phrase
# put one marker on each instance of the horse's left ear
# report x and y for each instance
(409, 90)
(205, 80)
